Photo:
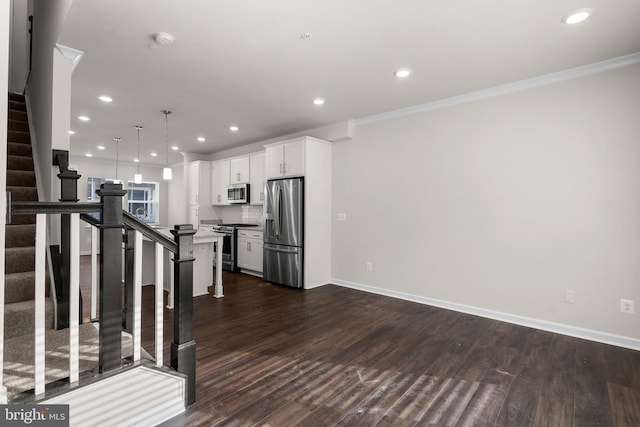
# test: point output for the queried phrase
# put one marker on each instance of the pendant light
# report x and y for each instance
(166, 171)
(117, 141)
(137, 178)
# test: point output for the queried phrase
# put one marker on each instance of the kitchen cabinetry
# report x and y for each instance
(256, 179)
(199, 181)
(286, 159)
(219, 182)
(311, 158)
(239, 170)
(250, 250)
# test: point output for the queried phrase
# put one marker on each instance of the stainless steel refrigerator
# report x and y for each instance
(283, 232)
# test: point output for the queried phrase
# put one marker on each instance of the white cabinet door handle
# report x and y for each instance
(197, 199)
(281, 168)
(248, 246)
(238, 177)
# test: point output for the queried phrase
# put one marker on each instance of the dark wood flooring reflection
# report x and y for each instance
(269, 355)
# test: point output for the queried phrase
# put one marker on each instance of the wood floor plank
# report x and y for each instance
(269, 355)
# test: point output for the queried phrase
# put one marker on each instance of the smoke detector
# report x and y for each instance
(163, 39)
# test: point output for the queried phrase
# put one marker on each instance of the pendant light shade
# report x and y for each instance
(166, 171)
(137, 178)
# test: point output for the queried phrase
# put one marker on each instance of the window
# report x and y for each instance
(143, 201)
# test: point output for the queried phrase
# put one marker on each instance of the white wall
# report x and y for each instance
(49, 17)
(502, 204)
(19, 58)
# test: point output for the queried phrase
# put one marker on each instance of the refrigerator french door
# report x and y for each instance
(283, 232)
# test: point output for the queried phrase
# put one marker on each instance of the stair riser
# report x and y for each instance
(20, 236)
(21, 178)
(19, 149)
(23, 194)
(19, 318)
(19, 260)
(17, 105)
(18, 115)
(20, 126)
(19, 163)
(19, 287)
(18, 137)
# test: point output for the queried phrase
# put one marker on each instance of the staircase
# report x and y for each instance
(20, 234)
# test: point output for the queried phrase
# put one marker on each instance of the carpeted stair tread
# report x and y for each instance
(19, 137)
(23, 219)
(18, 125)
(19, 287)
(18, 149)
(18, 260)
(20, 162)
(23, 194)
(19, 236)
(18, 105)
(18, 115)
(21, 178)
(19, 317)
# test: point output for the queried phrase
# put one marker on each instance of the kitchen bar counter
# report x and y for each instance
(203, 242)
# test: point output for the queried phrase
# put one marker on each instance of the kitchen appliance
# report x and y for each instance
(283, 232)
(238, 193)
(229, 245)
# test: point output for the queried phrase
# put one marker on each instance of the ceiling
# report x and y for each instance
(246, 62)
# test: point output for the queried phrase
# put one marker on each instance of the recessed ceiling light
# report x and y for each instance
(318, 101)
(201, 139)
(105, 98)
(233, 128)
(100, 147)
(88, 155)
(402, 73)
(72, 132)
(84, 118)
(175, 148)
(577, 16)
(154, 154)
(136, 160)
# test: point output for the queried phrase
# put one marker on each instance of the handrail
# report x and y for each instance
(27, 208)
(148, 232)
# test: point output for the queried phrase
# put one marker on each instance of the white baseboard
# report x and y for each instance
(573, 331)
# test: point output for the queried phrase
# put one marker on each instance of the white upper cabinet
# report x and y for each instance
(239, 170)
(219, 182)
(199, 181)
(256, 179)
(285, 159)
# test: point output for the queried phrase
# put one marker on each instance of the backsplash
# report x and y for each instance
(252, 214)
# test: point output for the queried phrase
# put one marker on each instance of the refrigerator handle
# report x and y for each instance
(277, 226)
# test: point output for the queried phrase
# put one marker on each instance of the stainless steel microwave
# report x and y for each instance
(238, 193)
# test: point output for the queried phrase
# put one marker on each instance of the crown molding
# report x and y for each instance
(544, 80)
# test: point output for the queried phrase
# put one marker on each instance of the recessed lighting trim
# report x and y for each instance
(318, 101)
(402, 73)
(201, 139)
(234, 128)
(100, 147)
(105, 98)
(576, 16)
(88, 155)
(175, 148)
(136, 160)
(72, 132)
(154, 154)
(84, 118)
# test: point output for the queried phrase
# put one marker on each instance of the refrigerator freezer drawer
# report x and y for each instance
(282, 265)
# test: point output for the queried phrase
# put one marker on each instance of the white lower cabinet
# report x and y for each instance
(250, 250)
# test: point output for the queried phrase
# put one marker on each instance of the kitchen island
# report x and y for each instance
(203, 242)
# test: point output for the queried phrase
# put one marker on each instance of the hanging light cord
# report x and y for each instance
(166, 131)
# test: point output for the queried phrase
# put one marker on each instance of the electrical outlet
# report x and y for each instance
(342, 217)
(369, 266)
(569, 296)
(627, 306)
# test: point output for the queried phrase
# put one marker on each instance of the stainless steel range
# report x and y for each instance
(230, 253)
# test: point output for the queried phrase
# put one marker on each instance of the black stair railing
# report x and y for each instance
(113, 221)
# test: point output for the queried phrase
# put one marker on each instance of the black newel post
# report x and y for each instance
(110, 276)
(183, 347)
(68, 193)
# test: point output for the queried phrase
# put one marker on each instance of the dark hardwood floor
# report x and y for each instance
(269, 355)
